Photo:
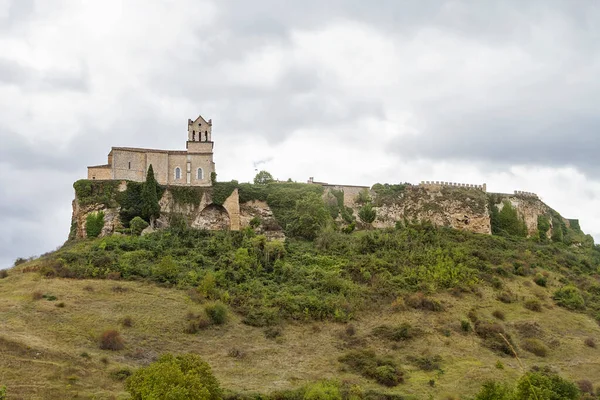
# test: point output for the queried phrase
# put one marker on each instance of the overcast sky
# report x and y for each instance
(348, 91)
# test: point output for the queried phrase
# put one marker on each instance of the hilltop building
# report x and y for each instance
(190, 167)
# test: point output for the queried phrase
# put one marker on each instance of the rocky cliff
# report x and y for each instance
(233, 206)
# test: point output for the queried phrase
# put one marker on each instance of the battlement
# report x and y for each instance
(432, 184)
(527, 194)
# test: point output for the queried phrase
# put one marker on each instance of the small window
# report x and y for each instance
(200, 174)
(129, 164)
(177, 173)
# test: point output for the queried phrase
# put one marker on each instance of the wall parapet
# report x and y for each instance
(527, 194)
(482, 187)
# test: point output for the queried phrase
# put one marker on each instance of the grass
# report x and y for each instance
(42, 344)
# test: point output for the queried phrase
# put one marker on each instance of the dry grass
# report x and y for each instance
(42, 345)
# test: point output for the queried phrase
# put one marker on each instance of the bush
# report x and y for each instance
(569, 298)
(367, 213)
(540, 280)
(402, 332)
(217, 313)
(499, 315)
(37, 295)
(196, 323)
(111, 340)
(585, 386)
(311, 216)
(427, 363)
(494, 335)
(137, 225)
(545, 385)
(94, 222)
(421, 302)
(3, 273)
(120, 374)
(2, 392)
(366, 363)
(323, 391)
(19, 261)
(127, 322)
(590, 342)
(494, 391)
(535, 346)
(175, 377)
(533, 305)
(465, 326)
(507, 297)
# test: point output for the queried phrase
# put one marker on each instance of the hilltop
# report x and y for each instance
(420, 296)
(308, 289)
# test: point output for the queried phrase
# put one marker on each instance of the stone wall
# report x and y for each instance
(133, 164)
(101, 172)
(350, 193)
(438, 184)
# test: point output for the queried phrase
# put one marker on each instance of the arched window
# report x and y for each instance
(177, 173)
(199, 174)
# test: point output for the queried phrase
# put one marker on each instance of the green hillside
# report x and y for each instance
(412, 312)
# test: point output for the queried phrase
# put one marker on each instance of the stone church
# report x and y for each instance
(190, 167)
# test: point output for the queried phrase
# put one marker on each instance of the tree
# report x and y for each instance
(183, 377)
(263, 177)
(367, 213)
(150, 206)
(507, 221)
(311, 216)
(545, 385)
(137, 225)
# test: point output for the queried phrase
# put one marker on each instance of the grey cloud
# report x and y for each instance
(13, 73)
(538, 119)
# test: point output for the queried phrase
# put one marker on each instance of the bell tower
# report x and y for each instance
(199, 136)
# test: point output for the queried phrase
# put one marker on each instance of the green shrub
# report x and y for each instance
(217, 313)
(533, 305)
(495, 391)
(569, 297)
(137, 225)
(3, 273)
(363, 197)
(507, 221)
(323, 391)
(402, 332)
(311, 216)
(94, 222)
(120, 374)
(367, 213)
(540, 280)
(543, 227)
(19, 261)
(545, 385)
(96, 192)
(535, 346)
(175, 377)
(507, 297)
(494, 335)
(427, 363)
(368, 364)
(465, 326)
(499, 315)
